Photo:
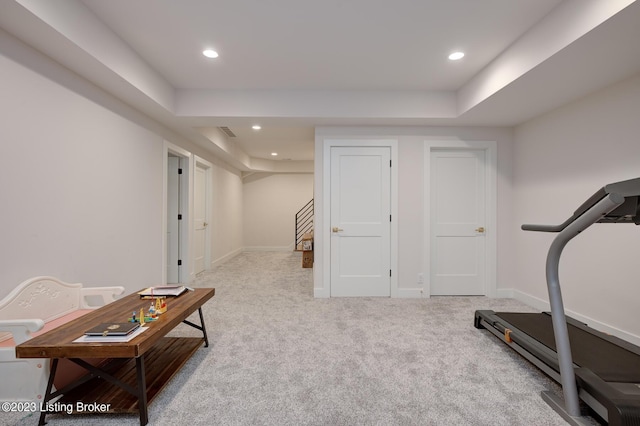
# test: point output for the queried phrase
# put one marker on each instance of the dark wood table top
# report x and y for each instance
(58, 343)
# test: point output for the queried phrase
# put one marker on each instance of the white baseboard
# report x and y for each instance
(267, 248)
(225, 258)
(236, 252)
(543, 305)
(411, 293)
(504, 293)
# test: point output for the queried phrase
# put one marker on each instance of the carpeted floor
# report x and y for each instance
(280, 357)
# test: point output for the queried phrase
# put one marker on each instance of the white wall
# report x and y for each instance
(82, 181)
(226, 223)
(81, 188)
(560, 159)
(410, 215)
(270, 204)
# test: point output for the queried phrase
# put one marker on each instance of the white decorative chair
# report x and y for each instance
(37, 305)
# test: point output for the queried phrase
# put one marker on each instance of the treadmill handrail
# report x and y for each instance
(548, 228)
(559, 228)
(563, 346)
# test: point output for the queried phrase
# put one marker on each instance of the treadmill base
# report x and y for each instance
(558, 406)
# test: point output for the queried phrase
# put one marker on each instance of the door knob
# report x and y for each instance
(205, 224)
(480, 230)
(336, 229)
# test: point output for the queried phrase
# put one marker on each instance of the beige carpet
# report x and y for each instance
(280, 357)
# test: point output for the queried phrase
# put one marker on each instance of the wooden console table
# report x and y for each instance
(137, 370)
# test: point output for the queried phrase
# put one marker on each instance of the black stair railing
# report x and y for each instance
(304, 223)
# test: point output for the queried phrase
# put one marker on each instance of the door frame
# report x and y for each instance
(490, 149)
(325, 225)
(208, 172)
(185, 273)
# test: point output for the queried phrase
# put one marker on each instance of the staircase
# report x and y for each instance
(304, 223)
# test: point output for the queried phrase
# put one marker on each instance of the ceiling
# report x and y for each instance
(324, 45)
(293, 65)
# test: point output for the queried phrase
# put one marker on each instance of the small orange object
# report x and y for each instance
(507, 335)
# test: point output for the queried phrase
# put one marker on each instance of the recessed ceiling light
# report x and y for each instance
(256, 127)
(274, 154)
(210, 53)
(456, 55)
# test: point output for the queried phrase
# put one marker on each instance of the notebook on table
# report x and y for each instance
(113, 329)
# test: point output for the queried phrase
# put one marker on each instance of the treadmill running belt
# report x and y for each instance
(607, 360)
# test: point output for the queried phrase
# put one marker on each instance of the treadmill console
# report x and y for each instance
(627, 212)
(627, 192)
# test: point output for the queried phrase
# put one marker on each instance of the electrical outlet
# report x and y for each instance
(420, 278)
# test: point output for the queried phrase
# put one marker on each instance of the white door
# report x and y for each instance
(360, 221)
(458, 196)
(173, 228)
(200, 219)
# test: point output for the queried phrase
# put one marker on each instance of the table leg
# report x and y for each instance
(47, 394)
(200, 327)
(142, 391)
(204, 330)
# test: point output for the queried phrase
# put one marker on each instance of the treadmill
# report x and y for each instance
(602, 370)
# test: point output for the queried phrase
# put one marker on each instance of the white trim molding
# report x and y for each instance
(225, 258)
(288, 248)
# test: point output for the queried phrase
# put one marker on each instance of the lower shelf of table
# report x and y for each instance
(161, 364)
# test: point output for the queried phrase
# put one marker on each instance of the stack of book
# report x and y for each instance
(113, 332)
